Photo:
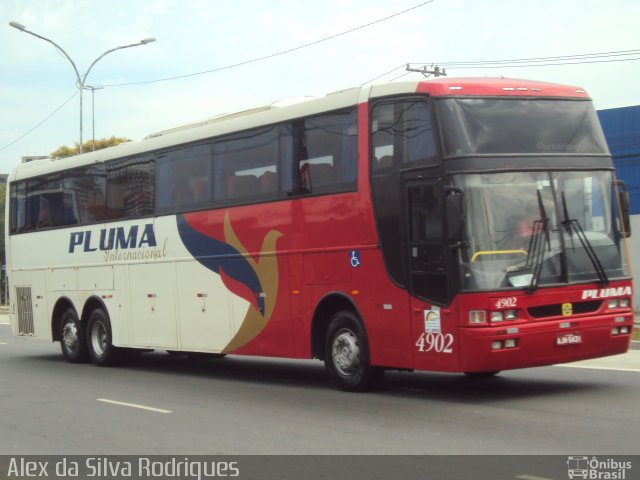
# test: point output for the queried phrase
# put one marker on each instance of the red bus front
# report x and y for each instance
(497, 211)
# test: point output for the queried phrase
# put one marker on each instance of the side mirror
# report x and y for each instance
(625, 207)
(454, 211)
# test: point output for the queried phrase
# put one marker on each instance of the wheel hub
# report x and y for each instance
(99, 338)
(70, 337)
(346, 352)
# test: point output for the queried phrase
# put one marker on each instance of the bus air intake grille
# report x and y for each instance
(555, 310)
(25, 311)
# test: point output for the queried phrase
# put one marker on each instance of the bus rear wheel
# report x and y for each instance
(73, 341)
(99, 340)
(347, 354)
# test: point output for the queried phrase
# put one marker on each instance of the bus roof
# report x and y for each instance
(499, 86)
(285, 111)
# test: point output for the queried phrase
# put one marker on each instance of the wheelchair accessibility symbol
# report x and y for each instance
(354, 256)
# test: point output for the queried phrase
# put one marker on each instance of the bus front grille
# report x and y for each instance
(25, 311)
(555, 310)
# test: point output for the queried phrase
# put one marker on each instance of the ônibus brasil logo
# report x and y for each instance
(596, 468)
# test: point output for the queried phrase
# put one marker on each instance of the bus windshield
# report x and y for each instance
(485, 126)
(526, 229)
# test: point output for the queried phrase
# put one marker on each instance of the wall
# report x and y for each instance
(621, 127)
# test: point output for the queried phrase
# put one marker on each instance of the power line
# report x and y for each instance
(39, 123)
(400, 76)
(273, 55)
(384, 74)
(577, 59)
(544, 59)
(506, 65)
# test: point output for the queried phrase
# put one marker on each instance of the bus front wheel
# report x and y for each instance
(73, 341)
(347, 357)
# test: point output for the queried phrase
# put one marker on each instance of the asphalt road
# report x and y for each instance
(170, 405)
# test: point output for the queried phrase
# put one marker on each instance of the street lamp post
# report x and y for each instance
(80, 79)
(93, 115)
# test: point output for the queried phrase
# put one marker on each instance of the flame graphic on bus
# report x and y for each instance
(256, 281)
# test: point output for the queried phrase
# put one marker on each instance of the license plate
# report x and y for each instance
(568, 339)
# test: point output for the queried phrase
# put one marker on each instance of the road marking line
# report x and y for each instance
(617, 369)
(134, 405)
(4, 343)
(531, 477)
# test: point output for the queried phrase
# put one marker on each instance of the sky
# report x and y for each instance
(195, 36)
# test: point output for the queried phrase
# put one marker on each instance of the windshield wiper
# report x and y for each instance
(535, 257)
(572, 225)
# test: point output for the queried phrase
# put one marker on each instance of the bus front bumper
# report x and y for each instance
(521, 345)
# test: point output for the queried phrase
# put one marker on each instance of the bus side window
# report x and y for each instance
(382, 137)
(58, 213)
(384, 162)
(183, 179)
(130, 188)
(246, 166)
(18, 204)
(50, 204)
(85, 194)
(268, 182)
(239, 186)
(325, 153)
(402, 134)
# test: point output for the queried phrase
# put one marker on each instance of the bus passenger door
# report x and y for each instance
(428, 277)
(433, 329)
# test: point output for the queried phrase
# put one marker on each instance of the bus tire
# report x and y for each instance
(99, 340)
(73, 339)
(347, 354)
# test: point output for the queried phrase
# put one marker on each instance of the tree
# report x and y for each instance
(88, 146)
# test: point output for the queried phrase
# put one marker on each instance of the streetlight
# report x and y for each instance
(79, 79)
(93, 114)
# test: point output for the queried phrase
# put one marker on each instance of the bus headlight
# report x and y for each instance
(477, 317)
(623, 303)
(502, 315)
(613, 303)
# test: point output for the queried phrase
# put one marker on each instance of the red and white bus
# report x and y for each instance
(452, 225)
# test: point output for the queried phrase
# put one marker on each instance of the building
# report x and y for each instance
(622, 129)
